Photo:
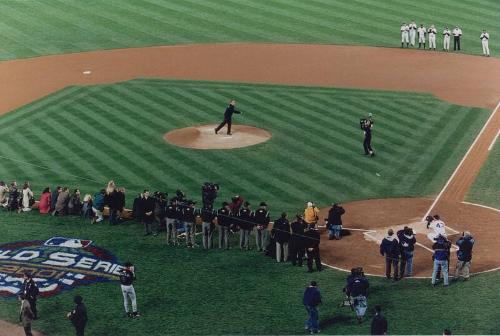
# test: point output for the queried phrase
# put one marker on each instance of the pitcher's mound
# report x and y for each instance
(204, 137)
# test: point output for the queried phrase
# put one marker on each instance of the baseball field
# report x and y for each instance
(92, 89)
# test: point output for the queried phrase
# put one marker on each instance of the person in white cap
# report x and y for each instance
(404, 35)
(485, 37)
(413, 30)
(421, 36)
(311, 214)
(446, 39)
(457, 33)
(432, 37)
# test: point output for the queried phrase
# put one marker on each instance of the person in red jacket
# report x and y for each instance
(44, 203)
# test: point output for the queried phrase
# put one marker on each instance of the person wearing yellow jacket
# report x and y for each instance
(311, 214)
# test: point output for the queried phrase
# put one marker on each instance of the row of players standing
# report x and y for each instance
(180, 216)
(409, 32)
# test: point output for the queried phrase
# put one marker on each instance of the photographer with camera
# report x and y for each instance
(262, 219)
(357, 290)
(224, 220)
(440, 258)
(334, 221)
(464, 255)
(407, 243)
(245, 223)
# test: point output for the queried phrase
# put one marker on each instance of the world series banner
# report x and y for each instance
(56, 265)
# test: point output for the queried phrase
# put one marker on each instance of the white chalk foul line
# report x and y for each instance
(461, 162)
(494, 141)
(481, 206)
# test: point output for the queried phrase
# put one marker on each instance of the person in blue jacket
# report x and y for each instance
(311, 300)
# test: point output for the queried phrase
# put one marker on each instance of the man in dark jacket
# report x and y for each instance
(148, 206)
(441, 249)
(311, 301)
(357, 289)
(224, 219)
(228, 115)
(30, 292)
(78, 316)
(407, 242)
(281, 233)
(464, 255)
(390, 249)
(245, 223)
(334, 221)
(311, 241)
(262, 219)
(112, 200)
(207, 226)
(171, 213)
(53, 197)
(188, 218)
(379, 322)
(297, 250)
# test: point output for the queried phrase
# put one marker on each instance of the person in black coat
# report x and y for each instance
(297, 250)
(407, 243)
(366, 126)
(281, 233)
(78, 316)
(391, 250)
(334, 221)
(224, 219)
(379, 322)
(112, 200)
(311, 242)
(137, 212)
(53, 197)
(245, 223)
(228, 115)
(30, 292)
(147, 207)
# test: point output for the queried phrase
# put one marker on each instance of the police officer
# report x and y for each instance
(30, 291)
(228, 115)
(127, 277)
(366, 125)
(261, 219)
(171, 229)
(245, 222)
(207, 226)
(312, 240)
(224, 219)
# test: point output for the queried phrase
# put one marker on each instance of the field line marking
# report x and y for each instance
(494, 141)
(482, 206)
(461, 162)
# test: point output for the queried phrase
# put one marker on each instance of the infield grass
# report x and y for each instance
(34, 28)
(486, 187)
(194, 292)
(85, 136)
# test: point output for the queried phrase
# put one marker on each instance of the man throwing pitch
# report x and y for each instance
(228, 115)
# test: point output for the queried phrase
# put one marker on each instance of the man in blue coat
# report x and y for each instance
(311, 300)
(391, 250)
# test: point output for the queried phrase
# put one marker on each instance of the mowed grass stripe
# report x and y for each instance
(315, 152)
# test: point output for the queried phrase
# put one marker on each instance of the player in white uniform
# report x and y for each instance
(438, 227)
(485, 37)
(446, 39)
(432, 37)
(413, 30)
(404, 35)
(421, 35)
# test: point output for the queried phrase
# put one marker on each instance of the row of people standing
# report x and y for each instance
(14, 199)
(409, 33)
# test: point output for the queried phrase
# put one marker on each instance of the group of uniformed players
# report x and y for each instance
(409, 33)
(183, 221)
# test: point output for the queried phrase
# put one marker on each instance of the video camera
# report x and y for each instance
(209, 192)
(180, 199)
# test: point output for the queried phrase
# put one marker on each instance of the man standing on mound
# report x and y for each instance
(228, 115)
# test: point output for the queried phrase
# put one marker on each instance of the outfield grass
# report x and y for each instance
(190, 291)
(85, 136)
(486, 187)
(34, 28)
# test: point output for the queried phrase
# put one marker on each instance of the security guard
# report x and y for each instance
(261, 219)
